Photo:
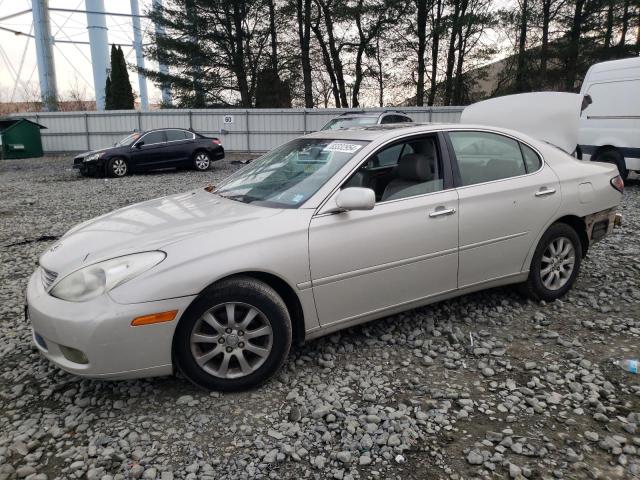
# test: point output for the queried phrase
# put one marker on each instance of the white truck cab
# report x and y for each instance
(610, 124)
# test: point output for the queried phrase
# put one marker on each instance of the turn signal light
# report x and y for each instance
(154, 318)
(618, 183)
(216, 141)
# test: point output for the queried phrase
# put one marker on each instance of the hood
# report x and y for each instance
(148, 226)
(91, 152)
(552, 117)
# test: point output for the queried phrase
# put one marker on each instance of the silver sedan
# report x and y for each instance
(327, 231)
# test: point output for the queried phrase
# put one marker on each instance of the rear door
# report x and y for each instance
(507, 195)
(149, 150)
(179, 146)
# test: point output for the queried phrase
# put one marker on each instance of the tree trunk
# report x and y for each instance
(239, 66)
(421, 20)
(544, 49)
(326, 58)
(522, 50)
(625, 27)
(380, 76)
(274, 37)
(435, 46)
(335, 56)
(451, 56)
(303, 8)
(573, 46)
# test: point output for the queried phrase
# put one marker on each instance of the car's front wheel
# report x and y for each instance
(117, 167)
(234, 336)
(555, 264)
(201, 161)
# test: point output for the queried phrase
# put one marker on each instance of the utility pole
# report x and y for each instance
(137, 43)
(162, 67)
(44, 53)
(99, 44)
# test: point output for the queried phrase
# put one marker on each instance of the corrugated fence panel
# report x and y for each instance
(121, 124)
(253, 130)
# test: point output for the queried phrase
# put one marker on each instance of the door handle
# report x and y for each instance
(543, 192)
(440, 211)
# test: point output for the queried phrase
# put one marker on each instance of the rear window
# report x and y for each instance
(531, 159)
(173, 135)
(346, 122)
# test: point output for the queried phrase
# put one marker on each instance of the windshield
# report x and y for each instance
(127, 141)
(287, 176)
(346, 122)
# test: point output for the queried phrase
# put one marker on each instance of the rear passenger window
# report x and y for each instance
(174, 135)
(484, 157)
(531, 159)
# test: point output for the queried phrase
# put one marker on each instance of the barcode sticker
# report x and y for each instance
(342, 147)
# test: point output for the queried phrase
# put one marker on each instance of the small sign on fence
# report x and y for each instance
(228, 119)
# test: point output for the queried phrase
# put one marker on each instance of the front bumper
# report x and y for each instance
(101, 329)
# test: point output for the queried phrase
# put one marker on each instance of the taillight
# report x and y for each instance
(618, 183)
(216, 141)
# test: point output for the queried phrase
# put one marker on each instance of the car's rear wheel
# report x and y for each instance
(555, 264)
(234, 336)
(201, 161)
(117, 167)
(612, 155)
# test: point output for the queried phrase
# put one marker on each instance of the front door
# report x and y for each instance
(507, 196)
(404, 250)
(149, 150)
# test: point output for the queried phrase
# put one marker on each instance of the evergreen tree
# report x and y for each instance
(118, 91)
(108, 97)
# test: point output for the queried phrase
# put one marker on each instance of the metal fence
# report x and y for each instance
(241, 130)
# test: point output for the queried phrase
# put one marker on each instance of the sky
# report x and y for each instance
(72, 61)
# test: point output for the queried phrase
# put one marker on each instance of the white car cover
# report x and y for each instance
(553, 117)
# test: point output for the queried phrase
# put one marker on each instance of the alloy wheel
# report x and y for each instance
(557, 263)
(231, 340)
(119, 167)
(202, 161)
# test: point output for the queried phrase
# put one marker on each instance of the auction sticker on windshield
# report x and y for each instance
(342, 147)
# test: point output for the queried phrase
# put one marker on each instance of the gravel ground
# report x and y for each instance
(489, 385)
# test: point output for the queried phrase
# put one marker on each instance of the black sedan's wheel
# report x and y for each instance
(117, 167)
(234, 336)
(201, 161)
(611, 155)
(555, 264)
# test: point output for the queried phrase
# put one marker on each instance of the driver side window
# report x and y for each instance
(401, 170)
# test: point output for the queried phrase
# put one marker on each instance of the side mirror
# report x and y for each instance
(356, 198)
(139, 144)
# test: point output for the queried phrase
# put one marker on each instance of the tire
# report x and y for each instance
(540, 285)
(612, 155)
(205, 341)
(117, 167)
(201, 161)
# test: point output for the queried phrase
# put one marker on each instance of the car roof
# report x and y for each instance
(364, 113)
(372, 132)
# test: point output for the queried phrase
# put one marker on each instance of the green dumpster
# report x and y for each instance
(20, 138)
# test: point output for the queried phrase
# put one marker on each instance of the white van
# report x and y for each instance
(610, 125)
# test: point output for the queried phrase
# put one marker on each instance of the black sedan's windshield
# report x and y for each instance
(287, 176)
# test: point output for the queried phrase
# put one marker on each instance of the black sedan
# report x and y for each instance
(151, 150)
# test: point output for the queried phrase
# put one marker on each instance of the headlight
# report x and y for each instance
(93, 157)
(96, 279)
